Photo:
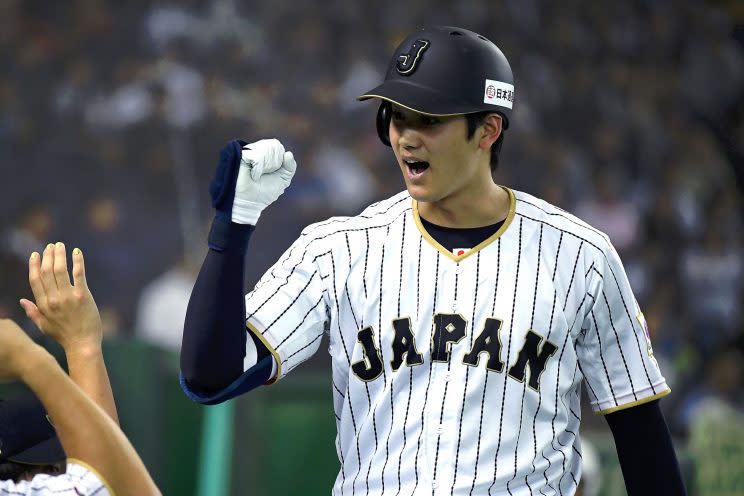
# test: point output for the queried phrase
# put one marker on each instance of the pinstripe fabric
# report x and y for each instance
(560, 313)
(76, 481)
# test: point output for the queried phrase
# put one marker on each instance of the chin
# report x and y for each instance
(421, 194)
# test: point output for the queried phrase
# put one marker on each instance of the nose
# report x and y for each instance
(408, 138)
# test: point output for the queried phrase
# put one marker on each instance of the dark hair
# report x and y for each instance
(476, 120)
(16, 471)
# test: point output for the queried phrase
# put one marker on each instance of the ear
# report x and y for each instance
(492, 128)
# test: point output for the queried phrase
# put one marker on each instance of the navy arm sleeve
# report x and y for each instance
(214, 334)
(645, 450)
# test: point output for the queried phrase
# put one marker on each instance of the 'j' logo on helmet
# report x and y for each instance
(407, 61)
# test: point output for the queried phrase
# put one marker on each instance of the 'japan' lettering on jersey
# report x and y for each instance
(459, 374)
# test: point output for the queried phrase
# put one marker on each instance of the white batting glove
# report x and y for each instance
(265, 172)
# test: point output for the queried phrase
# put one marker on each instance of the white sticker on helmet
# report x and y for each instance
(498, 93)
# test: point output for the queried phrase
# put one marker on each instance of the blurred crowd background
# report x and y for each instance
(628, 114)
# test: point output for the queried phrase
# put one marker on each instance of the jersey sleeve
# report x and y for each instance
(614, 348)
(78, 479)
(288, 308)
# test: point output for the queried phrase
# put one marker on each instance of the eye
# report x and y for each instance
(428, 120)
(397, 115)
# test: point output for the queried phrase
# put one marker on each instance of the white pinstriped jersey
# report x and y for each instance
(77, 480)
(459, 374)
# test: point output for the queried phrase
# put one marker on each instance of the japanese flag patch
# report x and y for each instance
(642, 320)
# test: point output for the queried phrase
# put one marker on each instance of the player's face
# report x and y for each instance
(437, 160)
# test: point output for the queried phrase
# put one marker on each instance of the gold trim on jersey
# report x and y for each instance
(634, 403)
(271, 349)
(479, 246)
(92, 470)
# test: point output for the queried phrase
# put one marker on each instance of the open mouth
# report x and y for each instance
(416, 167)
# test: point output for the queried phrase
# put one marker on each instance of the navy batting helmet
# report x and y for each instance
(445, 70)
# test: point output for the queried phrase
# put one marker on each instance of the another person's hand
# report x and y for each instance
(64, 311)
(15, 347)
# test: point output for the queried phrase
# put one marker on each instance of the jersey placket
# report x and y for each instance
(442, 418)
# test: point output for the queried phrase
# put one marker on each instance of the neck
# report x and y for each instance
(485, 207)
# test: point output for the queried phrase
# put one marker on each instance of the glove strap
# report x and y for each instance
(246, 211)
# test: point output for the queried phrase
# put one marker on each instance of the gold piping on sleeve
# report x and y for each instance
(94, 471)
(271, 349)
(479, 246)
(634, 403)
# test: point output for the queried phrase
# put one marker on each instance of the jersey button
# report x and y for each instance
(440, 429)
(434, 484)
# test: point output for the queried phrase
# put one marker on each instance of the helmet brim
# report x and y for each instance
(419, 99)
(47, 452)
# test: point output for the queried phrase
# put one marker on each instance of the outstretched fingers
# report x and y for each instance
(47, 276)
(78, 269)
(35, 279)
(60, 267)
(65, 312)
(32, 311)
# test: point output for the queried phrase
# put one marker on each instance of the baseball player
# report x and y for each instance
(29, 442)
(101, 461)
(79, 408)
(464, 317)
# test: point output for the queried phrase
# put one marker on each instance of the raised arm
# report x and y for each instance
(87, 433)
(68, 313)
(218, 359)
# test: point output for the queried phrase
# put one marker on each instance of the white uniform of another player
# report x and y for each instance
(78, 479)
(459, 374)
